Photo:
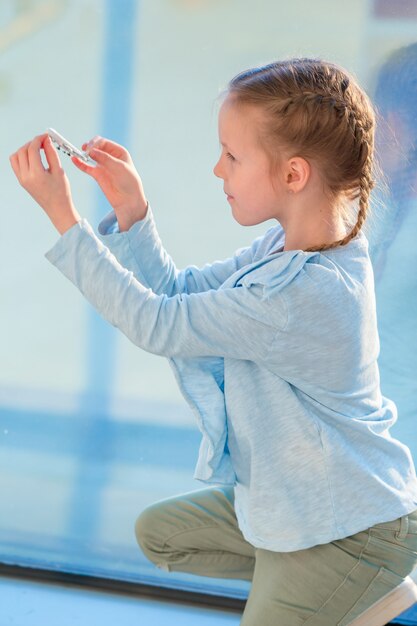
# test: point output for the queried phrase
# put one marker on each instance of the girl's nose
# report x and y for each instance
(216, 170)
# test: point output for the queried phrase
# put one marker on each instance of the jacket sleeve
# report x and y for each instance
(233, 322)
(140, 250)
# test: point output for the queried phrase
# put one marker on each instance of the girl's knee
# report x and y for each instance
(146, 532)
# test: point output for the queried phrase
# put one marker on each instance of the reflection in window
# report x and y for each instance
(394, 255)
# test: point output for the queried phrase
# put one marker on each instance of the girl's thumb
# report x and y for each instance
(103, 158)
(84, 167)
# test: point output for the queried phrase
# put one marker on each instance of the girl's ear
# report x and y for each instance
(297, 174)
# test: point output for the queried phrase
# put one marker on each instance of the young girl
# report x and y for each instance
(274, 348)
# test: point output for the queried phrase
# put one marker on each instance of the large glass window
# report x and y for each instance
(92, 429)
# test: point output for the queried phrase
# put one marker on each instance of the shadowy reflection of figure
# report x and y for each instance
(394, 251)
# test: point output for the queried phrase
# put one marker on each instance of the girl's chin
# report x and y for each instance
(242, 221)
(245, 220)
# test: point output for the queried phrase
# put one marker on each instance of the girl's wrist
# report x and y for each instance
(128, 216)
(64, 222)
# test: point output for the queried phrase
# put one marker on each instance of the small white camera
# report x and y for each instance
(67, 147)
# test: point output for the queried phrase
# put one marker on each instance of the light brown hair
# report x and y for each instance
(316, 109)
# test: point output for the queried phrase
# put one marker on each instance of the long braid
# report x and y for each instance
(366, 185)
(364, 145)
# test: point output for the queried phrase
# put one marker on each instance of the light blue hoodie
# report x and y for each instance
(276, 353)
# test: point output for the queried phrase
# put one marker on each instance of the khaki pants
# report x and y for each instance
(326, 585)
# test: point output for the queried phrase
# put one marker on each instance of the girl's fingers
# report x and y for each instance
(51, 154)
(89, 145)
(23, 160)
(84, 167)
(34, 154)
(103, 158)
(93, 142)
(28, 159)
(109, 147)
(14, 162)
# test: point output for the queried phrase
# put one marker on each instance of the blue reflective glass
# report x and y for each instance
(92, 430)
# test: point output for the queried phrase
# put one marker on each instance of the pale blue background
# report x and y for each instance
(91, 428)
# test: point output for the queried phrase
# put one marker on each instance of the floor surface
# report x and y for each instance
(27, 603)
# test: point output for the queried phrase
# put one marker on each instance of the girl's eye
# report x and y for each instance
(230, 156)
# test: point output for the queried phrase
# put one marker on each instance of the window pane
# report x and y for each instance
(93, 429)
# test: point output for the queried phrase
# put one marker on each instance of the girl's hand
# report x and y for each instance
(118, 179)
(48, 186)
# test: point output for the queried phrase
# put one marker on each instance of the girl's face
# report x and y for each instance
(244, 167)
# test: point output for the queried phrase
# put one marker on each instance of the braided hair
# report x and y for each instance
(316, 109)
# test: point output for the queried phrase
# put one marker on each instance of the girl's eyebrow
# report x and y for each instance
(232, 150)
(226, 146)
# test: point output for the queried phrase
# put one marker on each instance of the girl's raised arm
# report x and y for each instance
(237, 322)
(141, 251)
